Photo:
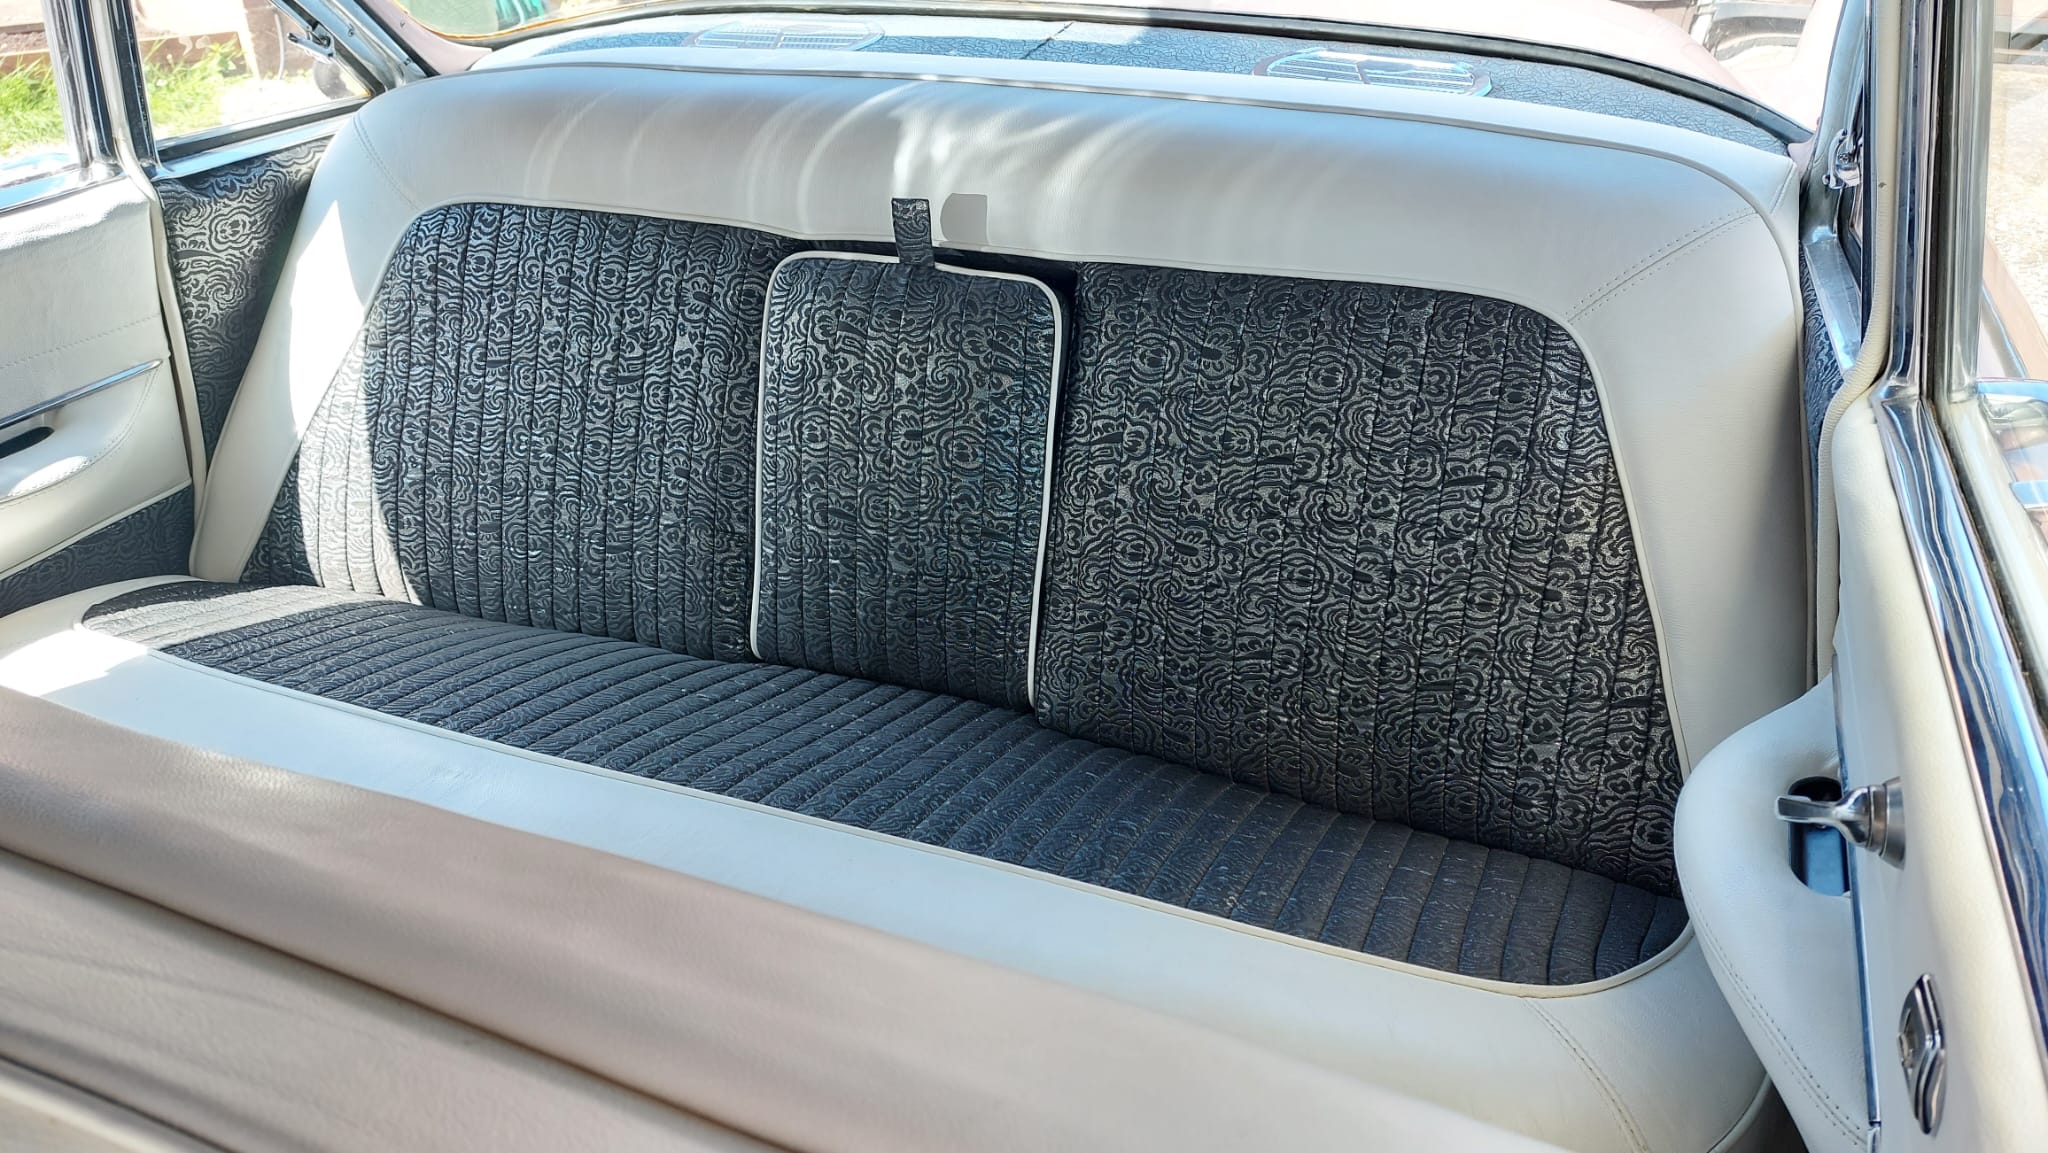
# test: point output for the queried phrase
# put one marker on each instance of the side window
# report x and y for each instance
(35, 138)
(2016, 194)
(216, 64)
(1851, 213)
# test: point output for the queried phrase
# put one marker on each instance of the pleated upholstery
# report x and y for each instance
(1362, 545)
(904, 416)
(547, 419)
(926, 766)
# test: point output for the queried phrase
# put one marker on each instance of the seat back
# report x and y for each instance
(545, 418)
(1363, 545)
(1469, 498)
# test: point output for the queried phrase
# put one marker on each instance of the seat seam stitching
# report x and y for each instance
(83, 340)
(1808, 1079)
(1647, 274)
(1607, 1090)
(377, 159)
(1791, 177)
(1648, 261)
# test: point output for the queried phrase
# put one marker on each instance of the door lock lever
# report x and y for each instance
(1870, 817)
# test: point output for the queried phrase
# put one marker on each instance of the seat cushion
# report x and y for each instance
(933, 768)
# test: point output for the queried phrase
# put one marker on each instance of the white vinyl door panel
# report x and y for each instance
(1942, 913)
(83, 349)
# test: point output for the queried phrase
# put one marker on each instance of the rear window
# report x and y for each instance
(1774, 52)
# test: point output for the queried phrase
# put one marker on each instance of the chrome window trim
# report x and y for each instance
(126, 50)
(1943, 92)
(1768, 119)
(248, 146)
(199, 151)
(354, 40)
(52, 187)
(1995, 708)
(67, 30)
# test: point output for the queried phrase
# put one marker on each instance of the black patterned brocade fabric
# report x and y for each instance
(1820, 375)
(226, 231)
(151, 541)
(1362, 545)
(904, 414)
(547, 419)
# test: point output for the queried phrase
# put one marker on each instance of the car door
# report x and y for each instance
(1943, 586)
(1868, 867)
(141, 226)
(95, 465)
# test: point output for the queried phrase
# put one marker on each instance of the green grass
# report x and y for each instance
(183, 98)
(30, 120)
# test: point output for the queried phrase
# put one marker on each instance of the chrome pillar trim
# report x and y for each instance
(129, 100)
(1995, 708)
(51, 405)
(1841, 298)
(340, 29)
(1848, 65)
(1913, 215)
(67, 29)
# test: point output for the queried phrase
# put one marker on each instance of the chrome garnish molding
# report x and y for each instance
(1995, 708)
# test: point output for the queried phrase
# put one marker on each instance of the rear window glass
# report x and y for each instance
(1773, 51)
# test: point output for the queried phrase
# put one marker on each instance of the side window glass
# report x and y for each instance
(210, 64)
(1850, 213)
(2016, 196)
(34, 137)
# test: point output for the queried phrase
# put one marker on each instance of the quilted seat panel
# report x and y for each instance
(1360, 544)
(930, 767)
(905, 419)
(548, 419)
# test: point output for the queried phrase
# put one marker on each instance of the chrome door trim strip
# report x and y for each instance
(77, 394)
(191, 155)
(1996, 713)
(1841, 298)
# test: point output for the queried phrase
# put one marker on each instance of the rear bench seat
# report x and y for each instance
(1360, 560)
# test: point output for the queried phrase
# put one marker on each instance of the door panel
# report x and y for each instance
(85, 366)
(1942, 913)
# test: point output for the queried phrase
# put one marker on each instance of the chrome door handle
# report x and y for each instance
(1870, 817)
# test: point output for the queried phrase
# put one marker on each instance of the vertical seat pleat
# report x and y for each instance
(547, 419)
